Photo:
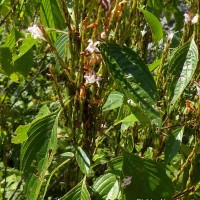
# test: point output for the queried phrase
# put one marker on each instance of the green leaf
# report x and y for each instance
(156, 6)
(148, 179)
(51, 16)
(24, 64)
(103, 185)
(114, 100)
(12, 38)
(27, 44)
(135, 80)
(5, 60)
(173, 144)
(61, 46)
(83, 161)
(154, 65)
(79, 192)
(21, 131)
(181, 70)
(70, 7)
(21, 134)
(116, 163)
(37, 153)
(155, 25)
(21, 66)
(114, 191)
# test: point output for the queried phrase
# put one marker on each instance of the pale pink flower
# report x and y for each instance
(195, 19)
(36, 32)
(106, 4)
(187, 18)
(92, 77)
(92, 47)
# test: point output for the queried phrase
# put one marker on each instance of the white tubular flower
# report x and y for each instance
(36, 32)
(92, 47)
(126, 181)
(195, 19)
(170, 37)
(92, 77)
(103, 35)
(143, 32)
(187, 18)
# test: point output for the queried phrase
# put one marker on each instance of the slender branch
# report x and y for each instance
(13, 8)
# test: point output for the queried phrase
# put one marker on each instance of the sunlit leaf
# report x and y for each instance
(154, 65)
(103, 185)
(27, 44)
(114, 100)
(114, 191)
(12, 38)
(50, 15)
(61, 46)
(20, 135)
(155, 25)
(181, 70)
(173, 144)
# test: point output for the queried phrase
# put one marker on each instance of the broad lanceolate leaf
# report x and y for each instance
(114, 100)
(37, 153)
(83, 161)
(155, 25)
(147, 179)
(181, 70)
(63, 50)
(114, 192)
(50, 15)
(173, 144)
(79, 192)
(104, 186)
(134, 79)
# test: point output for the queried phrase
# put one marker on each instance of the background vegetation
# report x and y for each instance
(99, 99)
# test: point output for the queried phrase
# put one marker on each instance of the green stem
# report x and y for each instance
(52, 173)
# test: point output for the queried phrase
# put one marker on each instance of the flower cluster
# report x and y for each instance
(189, 19)
(92, 77)
(92, 47)
(36, 32)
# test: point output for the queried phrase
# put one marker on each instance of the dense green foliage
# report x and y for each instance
(99, 99)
